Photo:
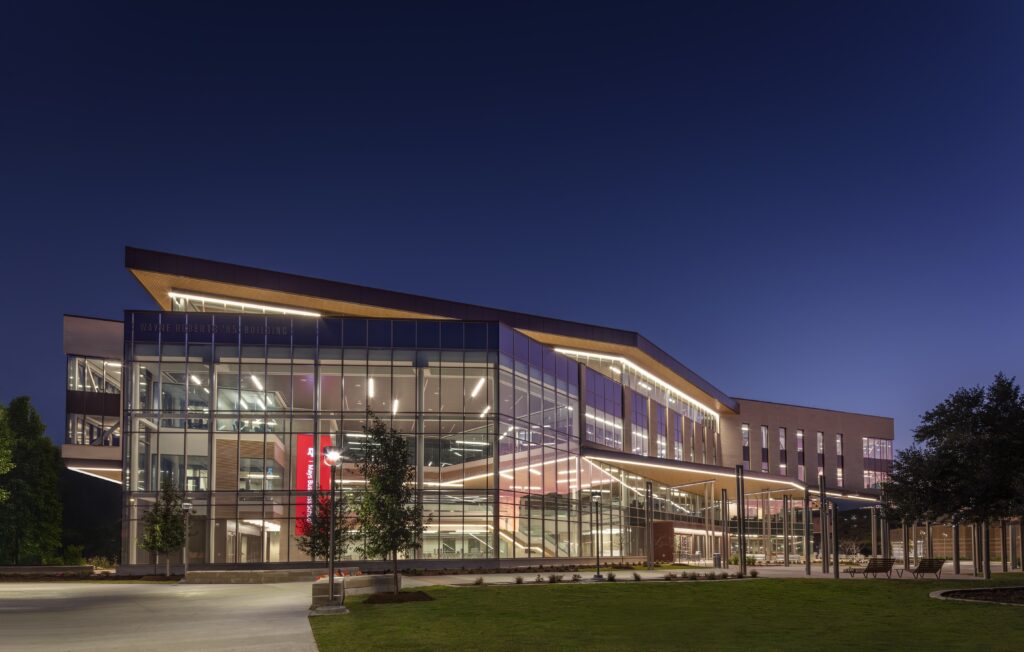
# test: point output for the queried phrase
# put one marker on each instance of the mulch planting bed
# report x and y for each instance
(391, 598)
(1012, 595)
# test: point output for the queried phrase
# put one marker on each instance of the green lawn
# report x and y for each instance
(762, 614)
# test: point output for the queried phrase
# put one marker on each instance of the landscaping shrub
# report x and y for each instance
(611, 577)
(554, 579)
(519, 579)
(478, 581)
(636, 577)
(753, 573)
(576, 577)
(670, 576)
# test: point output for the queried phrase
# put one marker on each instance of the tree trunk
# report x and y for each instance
(394, 568)
(167, 565)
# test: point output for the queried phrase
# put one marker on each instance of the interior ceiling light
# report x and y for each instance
(242, 304)
(256, 381)
(479, 386)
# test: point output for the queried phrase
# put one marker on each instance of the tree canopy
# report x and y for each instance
(6, 459)
(967, 464)
(314, 536)
(30, 517)
(164, 524)
(389, 511)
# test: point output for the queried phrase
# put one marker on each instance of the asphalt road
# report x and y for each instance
(113, 616)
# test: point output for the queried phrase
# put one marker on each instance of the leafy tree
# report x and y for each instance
(976, 440)
(30, 518)
(164, 524)
(314, 536)
(6, 461)
(918, 488)
(390, 511)
(968, 463)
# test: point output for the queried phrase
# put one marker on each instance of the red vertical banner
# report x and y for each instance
(306, 455)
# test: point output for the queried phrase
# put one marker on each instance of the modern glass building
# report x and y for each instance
(533, 439)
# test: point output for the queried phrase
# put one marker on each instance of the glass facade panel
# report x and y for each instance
(235, 409)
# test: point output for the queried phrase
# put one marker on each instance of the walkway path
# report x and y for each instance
(113, 616)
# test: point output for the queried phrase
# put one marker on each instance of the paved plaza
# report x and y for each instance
(113, 616)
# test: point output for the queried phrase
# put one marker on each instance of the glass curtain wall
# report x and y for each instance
(235, 409)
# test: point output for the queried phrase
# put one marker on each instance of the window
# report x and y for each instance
(660, 429)
(782, 451)
(764, 449)
(640, 425)
(603, 410)
(677, 435)
(745, 432)
(821, 453)
(877, 462)
(800, 455)
(839, 460)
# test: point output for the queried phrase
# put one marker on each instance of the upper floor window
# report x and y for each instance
(839, 460)
(877, 461)
(800, 455)
(764, 449)
(94, 375)
(640, 425)
(745, 433)
(782, 451)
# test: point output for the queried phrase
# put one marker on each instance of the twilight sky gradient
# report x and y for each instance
(815, 203)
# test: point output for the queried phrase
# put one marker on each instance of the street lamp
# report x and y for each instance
(595, 496)
(332, 457)
(186, 508)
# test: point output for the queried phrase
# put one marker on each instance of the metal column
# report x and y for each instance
(807, 531)
(929, 547)
(986, 553)
(874, 532)
(785, 530)
(906, 547)
(725, 528)
(956, 548)
(823, 517)
(886, 543)
(1002, 543)
(741, 518)
(835, 540)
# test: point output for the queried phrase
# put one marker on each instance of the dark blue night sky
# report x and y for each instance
(816, 203)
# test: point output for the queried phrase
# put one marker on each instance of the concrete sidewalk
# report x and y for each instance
(113, 616)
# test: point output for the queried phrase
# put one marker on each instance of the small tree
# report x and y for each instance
(6, 452)
(390, 512)
(314, 536)
(164, 525)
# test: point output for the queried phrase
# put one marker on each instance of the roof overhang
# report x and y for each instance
(162, 273)
(103, 462)
(688, 474)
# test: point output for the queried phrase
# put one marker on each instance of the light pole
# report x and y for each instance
(186, 508)
(332, 457)
(595, 497)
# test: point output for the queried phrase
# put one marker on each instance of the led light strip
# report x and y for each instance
(640, 370)
(243, 304)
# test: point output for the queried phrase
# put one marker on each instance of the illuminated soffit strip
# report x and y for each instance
(640, 370)
(723, 474)
(83, 471)
(242, 304)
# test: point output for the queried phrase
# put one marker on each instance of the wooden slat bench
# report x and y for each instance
(876, 566)
(925, 567)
